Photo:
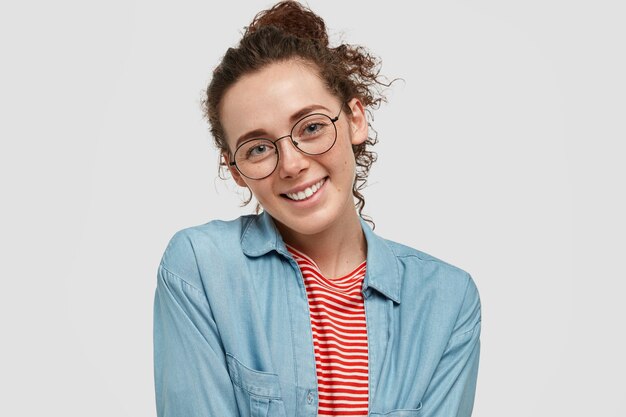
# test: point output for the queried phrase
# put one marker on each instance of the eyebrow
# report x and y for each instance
(256, 133)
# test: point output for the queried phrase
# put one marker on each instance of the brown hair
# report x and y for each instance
(287, 31)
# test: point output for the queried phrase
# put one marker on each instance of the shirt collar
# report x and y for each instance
(383, 272)
(260, 236)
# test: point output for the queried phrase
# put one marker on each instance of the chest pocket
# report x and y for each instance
(400, 413)
(257, 393)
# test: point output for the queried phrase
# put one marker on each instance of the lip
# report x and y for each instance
(304, 186)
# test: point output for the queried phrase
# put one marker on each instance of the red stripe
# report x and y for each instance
(353, 290)
(319, 310)
(310, 276)
(352, 301)
(343, 405)
(352, 358)
(332, 339)
(334, 342)
(323, 326)
(335, 367)
(330, 308)
(344, 391)
(339, 398)
(354, 385)
(337, 333)
(309, 272)
(334, 320)
(344, 363)
(331, 348)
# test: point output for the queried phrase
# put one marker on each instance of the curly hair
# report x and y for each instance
(289, 31)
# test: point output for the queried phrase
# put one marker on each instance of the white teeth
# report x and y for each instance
(308, 192)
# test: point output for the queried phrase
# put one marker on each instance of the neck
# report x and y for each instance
(337, 251)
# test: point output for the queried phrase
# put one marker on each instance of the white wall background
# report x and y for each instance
(503, 149)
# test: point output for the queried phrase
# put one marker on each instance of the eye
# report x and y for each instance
(257, 150)
(312, 128)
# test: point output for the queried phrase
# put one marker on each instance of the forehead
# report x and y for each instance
(267, 98)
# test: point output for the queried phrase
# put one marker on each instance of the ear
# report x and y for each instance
(233, 170)
(358, 121)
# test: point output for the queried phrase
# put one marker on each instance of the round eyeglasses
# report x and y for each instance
(314, 134)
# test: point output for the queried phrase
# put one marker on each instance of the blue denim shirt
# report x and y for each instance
(232, 334)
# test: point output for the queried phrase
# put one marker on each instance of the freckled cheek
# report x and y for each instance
(261, 194)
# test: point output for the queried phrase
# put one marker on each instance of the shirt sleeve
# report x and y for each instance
(191, 378)
(453, 386)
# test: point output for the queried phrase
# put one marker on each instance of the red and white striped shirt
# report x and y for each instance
(339, 338)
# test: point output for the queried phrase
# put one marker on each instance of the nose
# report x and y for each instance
(290, 160)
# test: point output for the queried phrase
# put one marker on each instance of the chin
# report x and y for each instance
(309, 225)
(328, 214)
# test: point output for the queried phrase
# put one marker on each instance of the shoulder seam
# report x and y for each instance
(473, 329)
(429, 258)
(463, 299)
(180, 278)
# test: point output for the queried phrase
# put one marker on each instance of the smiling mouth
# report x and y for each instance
(306, 193)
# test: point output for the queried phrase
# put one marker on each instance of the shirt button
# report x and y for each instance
(309, 397)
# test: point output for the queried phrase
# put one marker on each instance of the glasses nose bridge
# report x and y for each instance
(293, 143)
(289, 161)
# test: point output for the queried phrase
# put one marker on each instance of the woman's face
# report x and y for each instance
(266, 104)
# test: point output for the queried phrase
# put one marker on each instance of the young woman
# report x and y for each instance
(302, 310)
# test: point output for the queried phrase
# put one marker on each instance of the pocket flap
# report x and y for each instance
(262, 384)
(409, 412)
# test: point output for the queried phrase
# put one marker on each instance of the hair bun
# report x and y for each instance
(293, 18)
